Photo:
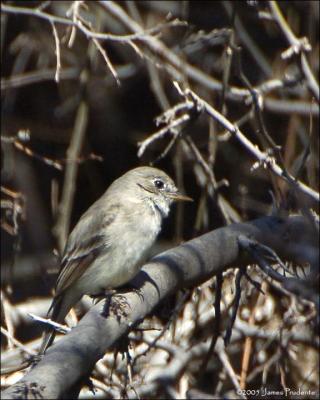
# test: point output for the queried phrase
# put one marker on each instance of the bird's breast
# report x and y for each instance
(126, 249)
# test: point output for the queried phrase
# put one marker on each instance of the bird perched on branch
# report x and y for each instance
(106, 248)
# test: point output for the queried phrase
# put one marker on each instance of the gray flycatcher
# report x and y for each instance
(106, 248)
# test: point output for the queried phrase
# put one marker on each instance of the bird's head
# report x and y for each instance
(154, 186)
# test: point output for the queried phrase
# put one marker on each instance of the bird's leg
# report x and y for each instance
(116, 302)
(107, 305)
(104, 294)
(110, 306)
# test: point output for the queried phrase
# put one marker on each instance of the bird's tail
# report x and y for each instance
(57, 312)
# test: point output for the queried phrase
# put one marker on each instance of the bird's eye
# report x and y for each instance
(158, 183)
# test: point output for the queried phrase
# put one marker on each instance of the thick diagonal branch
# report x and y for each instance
(72, 359)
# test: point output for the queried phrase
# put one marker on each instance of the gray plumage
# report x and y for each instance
(106, 248)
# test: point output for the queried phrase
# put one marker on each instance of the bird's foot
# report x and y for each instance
(116, 304)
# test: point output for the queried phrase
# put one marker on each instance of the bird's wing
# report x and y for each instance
(86, 241)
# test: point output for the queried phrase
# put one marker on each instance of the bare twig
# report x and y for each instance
(107, 60)
(298, 46)
(182, 68)
(216, 328)
(36, 12)
(52, 324)
(159, 134)
(61, 228)
(58, 53)
(263, 158)
(29, 78)
(235, 308)
(17, 342)
(174, 63)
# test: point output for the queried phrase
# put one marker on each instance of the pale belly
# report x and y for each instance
(115, 268)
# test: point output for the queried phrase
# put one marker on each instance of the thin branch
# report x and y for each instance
(107, 60)
(61, 228)
(36, 12)
(162, 132)
(181, 68)
(298, 46)
(263, 158)
(175, 66)
(16, 342)
(58, 53)
(29, 78)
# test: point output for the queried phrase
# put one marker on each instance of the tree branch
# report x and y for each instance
(70, 361)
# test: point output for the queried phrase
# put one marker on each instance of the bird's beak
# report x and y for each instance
(177, 196)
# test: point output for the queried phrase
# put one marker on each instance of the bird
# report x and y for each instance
(108, 245)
